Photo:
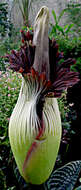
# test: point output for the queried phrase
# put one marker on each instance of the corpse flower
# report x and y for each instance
(35, 124)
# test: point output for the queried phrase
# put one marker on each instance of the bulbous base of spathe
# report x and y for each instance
(23, 131)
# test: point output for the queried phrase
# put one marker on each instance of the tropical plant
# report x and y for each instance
(25, 6)
(9, 89)
(74, 15)
(71, 47)
(57, 28)
(35, 125)
(61, 179)
(64, 177)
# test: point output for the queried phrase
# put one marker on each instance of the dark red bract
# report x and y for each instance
(60, 75)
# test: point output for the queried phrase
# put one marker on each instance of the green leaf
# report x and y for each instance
(65, 177)
(69, 27)
(66, 26)
(54, 15)
(53, 30)
(61, 14)
(60, 29)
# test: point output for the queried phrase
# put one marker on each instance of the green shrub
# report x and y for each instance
(74, 16)
(3, 18)
(6, 45)
(57, 29)
(6, 25)
(71, 47)
(9, 90)
(69, 40)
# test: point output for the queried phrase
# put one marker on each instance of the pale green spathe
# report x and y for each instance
(22, 136)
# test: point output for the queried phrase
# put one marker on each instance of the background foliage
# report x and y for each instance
(69, 103)
(3, 18)
(9, 90)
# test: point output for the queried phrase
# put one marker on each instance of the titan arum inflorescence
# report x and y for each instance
(35, 124)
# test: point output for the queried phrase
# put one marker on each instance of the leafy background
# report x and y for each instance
(69, 104)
